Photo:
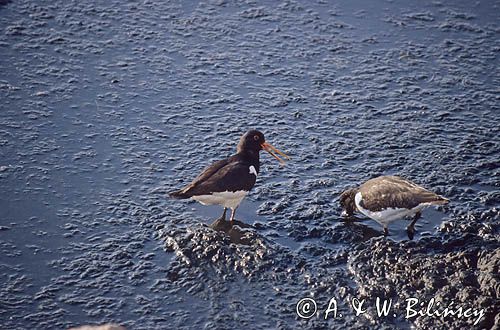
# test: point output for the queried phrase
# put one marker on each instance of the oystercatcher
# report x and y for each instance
(388, 198)
(227, 181)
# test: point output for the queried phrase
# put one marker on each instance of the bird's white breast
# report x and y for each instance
(388, 215)
(230, 199)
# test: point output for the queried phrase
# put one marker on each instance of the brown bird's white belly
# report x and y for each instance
(229, 199)
(388, 215)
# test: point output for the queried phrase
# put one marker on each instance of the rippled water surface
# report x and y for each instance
(106, 106)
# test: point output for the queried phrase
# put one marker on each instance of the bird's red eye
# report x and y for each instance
(256, 137)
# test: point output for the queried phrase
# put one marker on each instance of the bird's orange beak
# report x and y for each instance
(272, 150)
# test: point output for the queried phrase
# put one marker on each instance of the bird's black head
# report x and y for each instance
(252, 141)
(347, 202)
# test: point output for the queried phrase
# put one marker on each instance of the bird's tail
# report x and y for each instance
(180, 194)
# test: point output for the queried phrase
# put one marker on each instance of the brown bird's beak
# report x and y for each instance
(272, 150)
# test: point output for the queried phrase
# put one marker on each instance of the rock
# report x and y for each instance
(458, 273)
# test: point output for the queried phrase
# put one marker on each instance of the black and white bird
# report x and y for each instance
(227, 181)
(389, 198)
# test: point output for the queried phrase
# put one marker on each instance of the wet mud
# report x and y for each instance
(106, 107)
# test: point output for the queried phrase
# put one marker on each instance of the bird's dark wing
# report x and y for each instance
(224, 175)
(204, 175)
(395, 192)
(233, 176)
(208, 172)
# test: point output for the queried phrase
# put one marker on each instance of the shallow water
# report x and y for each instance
(107, 107)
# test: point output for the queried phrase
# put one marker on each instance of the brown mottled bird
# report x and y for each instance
(389, 198)
(227, 181)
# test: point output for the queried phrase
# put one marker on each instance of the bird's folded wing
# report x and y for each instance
(232, 176)
(396, 195)
(208, 172)
(204, 175)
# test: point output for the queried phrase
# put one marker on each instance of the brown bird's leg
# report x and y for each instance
(231, 219)
(410, 230)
